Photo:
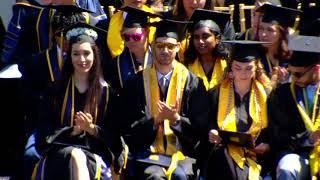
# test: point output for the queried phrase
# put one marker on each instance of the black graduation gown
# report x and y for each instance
(288, 130)
(52, 133)
(212, 159)
(2, 33)
(139, 132)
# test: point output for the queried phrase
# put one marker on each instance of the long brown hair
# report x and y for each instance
(179, 11)
(94, 92)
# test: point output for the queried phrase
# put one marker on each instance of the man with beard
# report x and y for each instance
(294, 113)
(161, 104)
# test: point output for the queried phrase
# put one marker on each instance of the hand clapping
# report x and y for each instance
(167, 112)
(84, 122)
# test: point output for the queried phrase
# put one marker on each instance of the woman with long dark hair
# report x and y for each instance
(75, 135)
(205, 55)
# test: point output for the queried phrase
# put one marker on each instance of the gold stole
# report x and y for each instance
(184, 45)
(217, 72)
(114, 39)
(311, 125)
(227, 120)
(152, 94)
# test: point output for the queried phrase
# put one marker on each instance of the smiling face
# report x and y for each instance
(204, 41)
(82, 57)
(191, 5)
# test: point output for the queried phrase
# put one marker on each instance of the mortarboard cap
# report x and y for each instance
(68, 9)
(273, 2)
(203, 17)
(310, 21)
(306, 50)
(245, 51)
(169, 28)
(283, 16)
(137, 17)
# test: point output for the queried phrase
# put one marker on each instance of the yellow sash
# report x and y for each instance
(217, 73)
(311, 125)
(152, 94)
(227, 120)
(114, 39)
(184, 46)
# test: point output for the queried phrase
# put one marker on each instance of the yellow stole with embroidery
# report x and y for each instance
(217, 73)
(311, 124)
(114, 39)
(227, 120)
(152, 94)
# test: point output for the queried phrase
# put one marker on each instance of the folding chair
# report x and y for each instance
(229, 9)
(242, 9)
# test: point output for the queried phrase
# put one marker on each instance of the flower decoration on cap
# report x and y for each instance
(76, 32)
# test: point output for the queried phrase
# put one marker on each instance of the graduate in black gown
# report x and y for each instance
(160, 105)
(294, 114)
(2, 33)
(75, 135)
(137, 52)
(275, 27)
(41, 71)
(238, 104)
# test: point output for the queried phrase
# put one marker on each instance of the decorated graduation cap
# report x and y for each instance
(306, 50)
(245, 51)
(137, 18)
(68, 9)
(169, 28)
(214, 20)
(276, 14)
(82, 32)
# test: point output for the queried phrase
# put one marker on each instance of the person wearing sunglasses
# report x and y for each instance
(294, 114)
(137, 52)
(160, 104)
(205, 55)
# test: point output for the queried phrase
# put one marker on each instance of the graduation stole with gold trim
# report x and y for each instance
(217, 72)
(227, 120)
(311, 124)
(114, 39)
(67, 111)
(152, 94)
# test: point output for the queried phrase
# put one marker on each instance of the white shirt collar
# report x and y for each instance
(167, 76)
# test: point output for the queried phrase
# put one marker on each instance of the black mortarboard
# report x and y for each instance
(281, 15)
(245, 51)
(137, 17)
(310, 21)
(306, 50)
(201, 16)
(273, 2)
(79, 29)
(68, 9)
(169, 28)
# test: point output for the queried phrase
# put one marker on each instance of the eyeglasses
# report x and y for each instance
(134, 37)
(301, 74)
(170, 46)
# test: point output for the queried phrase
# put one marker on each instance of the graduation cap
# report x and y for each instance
(137, 17)
(310, 21)
(306, 50)
(215, 20)
(169, 28)
(273, 2)
(68, 9)
(283, 16)
(245, 51)
(82, 32)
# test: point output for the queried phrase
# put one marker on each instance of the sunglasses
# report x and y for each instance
(132, 37)
(300, 74)
(170, 46)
